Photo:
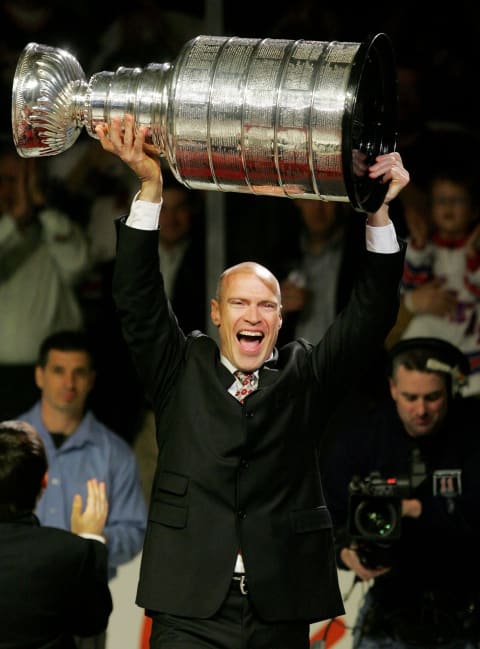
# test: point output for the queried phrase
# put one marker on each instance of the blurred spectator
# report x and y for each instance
(92, 187)
(79, 447)
(415, 139)
(441, 283)
(43, 255)
(181, 245)
(425, 144)
(317, 271)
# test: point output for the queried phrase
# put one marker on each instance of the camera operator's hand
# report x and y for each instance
(350, 558)
(411, 507)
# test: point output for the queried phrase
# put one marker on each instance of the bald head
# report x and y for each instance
(252, 268)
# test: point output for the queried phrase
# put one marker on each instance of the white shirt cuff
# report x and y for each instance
(95, 537)
(144, 215)
(382, 238)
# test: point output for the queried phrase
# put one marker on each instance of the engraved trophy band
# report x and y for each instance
(298, 119)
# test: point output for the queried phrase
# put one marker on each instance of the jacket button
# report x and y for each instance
(241, 514)
(244, 464)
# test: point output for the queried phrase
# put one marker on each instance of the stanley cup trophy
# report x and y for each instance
(298, 119)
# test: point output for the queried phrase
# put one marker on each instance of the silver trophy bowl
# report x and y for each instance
(298, 119)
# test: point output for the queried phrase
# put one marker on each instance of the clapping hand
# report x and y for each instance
(92, 519)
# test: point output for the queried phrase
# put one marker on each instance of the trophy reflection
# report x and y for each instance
(298, 119)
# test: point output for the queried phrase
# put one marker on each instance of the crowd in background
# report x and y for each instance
(437, 123)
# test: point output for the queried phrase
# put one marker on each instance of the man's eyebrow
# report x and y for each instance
(416, 395)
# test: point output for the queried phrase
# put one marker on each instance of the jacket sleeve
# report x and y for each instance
(91, 604)
(149, 325)
(357, 336)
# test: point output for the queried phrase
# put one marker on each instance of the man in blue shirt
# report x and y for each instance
(79, 447)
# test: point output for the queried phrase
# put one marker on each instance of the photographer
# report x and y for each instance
(418, 450)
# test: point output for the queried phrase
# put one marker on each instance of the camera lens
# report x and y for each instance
(376, 519)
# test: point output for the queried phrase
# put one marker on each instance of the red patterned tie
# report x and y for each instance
(249, 384)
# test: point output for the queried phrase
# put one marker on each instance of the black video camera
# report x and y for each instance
(375, 511)
(375, 506)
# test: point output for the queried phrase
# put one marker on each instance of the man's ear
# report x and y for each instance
(215, 312)
(43, 486)
(393, 388)
(39, 376)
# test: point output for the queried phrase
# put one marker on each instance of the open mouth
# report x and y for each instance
(250, 341)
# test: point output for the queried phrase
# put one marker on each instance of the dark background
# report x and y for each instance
(442, 43)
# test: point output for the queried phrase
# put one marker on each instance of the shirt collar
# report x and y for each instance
(231, 367)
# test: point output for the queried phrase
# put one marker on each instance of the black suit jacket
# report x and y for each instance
(233, 476)
(53, 585)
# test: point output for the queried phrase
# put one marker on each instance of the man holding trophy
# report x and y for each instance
(239, 546)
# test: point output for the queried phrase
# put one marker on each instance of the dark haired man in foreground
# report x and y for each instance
(53, 584)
